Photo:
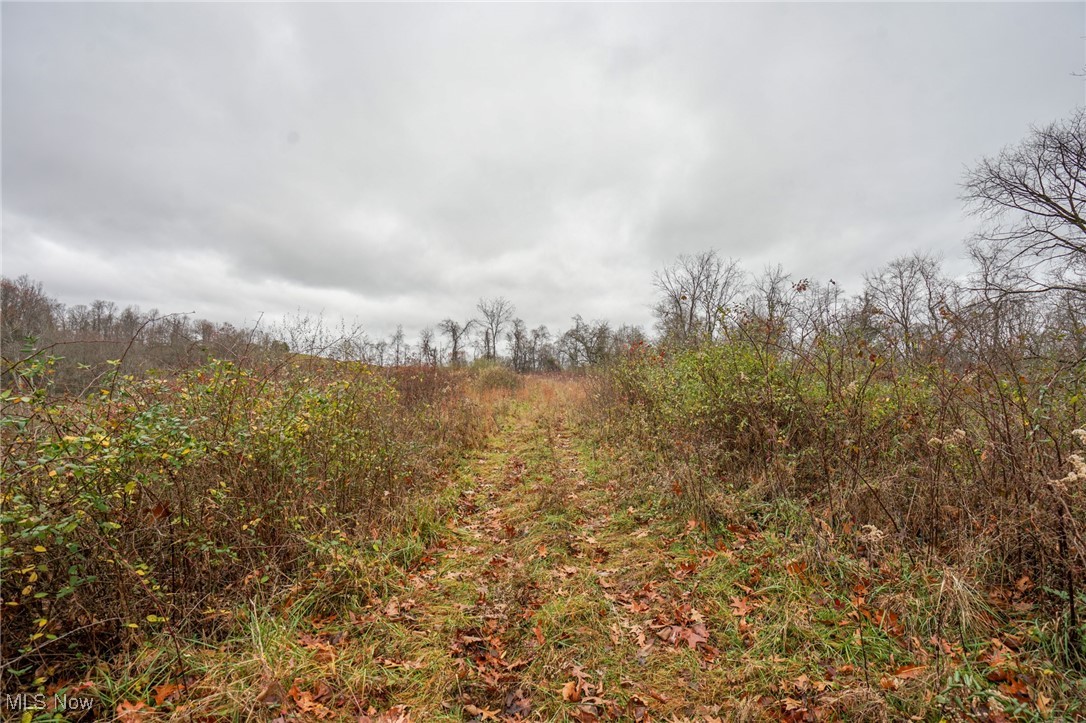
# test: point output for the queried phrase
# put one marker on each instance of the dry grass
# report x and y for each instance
(547, 580)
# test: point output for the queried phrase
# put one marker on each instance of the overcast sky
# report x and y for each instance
(392, 163)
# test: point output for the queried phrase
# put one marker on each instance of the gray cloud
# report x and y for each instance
(395, 162)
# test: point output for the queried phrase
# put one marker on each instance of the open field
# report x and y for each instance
(543, 576)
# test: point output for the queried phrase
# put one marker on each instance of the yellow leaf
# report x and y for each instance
(39, 548)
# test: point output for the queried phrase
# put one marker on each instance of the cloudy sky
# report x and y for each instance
(393, 163)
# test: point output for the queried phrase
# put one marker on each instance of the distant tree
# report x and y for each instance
(587, 343)
(427, 349)
(456, 332)
(1034, 196)
(910, 295)
(626, 337)
(519, 346)
(26, 310)
(399, 347)
(695, 291)
(77, 319)
(770, 302)
(378, 352)
(497, 312)
(102, 313)
(544, 356)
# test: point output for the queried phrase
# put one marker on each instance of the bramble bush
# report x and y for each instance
(972, 461)
(153, 503)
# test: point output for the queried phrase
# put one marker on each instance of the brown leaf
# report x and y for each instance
(518, 703)
(273, 694)
(791, 704)
(741, 607)
(907, 672)
(1015, 688)
(587, 714)
(570, 692)
(481, 712)
(405, 664)
(888, 683)
(694, 635)
(128, 712)
(539, 634)
(164, 692)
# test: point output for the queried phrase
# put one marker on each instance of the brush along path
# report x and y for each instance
(549, 596)
(529, 588)
(541, 584)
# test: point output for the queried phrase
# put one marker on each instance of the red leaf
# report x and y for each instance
(907, 672)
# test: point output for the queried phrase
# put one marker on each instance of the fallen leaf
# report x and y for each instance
(164, 692)
(741, 607)
(909, 671)
(128, 712)
(481, 712)
(518, 703)
(273, 694)
(888, 683)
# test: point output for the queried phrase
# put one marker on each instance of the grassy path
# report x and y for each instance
(550, 598)
(528, 588)
(538, 585)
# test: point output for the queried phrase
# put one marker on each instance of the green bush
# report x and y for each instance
(154, 502)
(494, 375)
(950, 460)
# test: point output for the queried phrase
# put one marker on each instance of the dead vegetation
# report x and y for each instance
(544, 580)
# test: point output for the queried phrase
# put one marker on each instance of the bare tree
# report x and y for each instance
(587, 343)
(497, 312)
(910, 295)
(544, 356)
(1034, 196)
(455, 331)
(771, 302)
(427, 350)
(696, 290)
(519, 346)
(26, 310)
(399, 346)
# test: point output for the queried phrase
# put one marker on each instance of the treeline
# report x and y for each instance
(85, 336)
(908, 311)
